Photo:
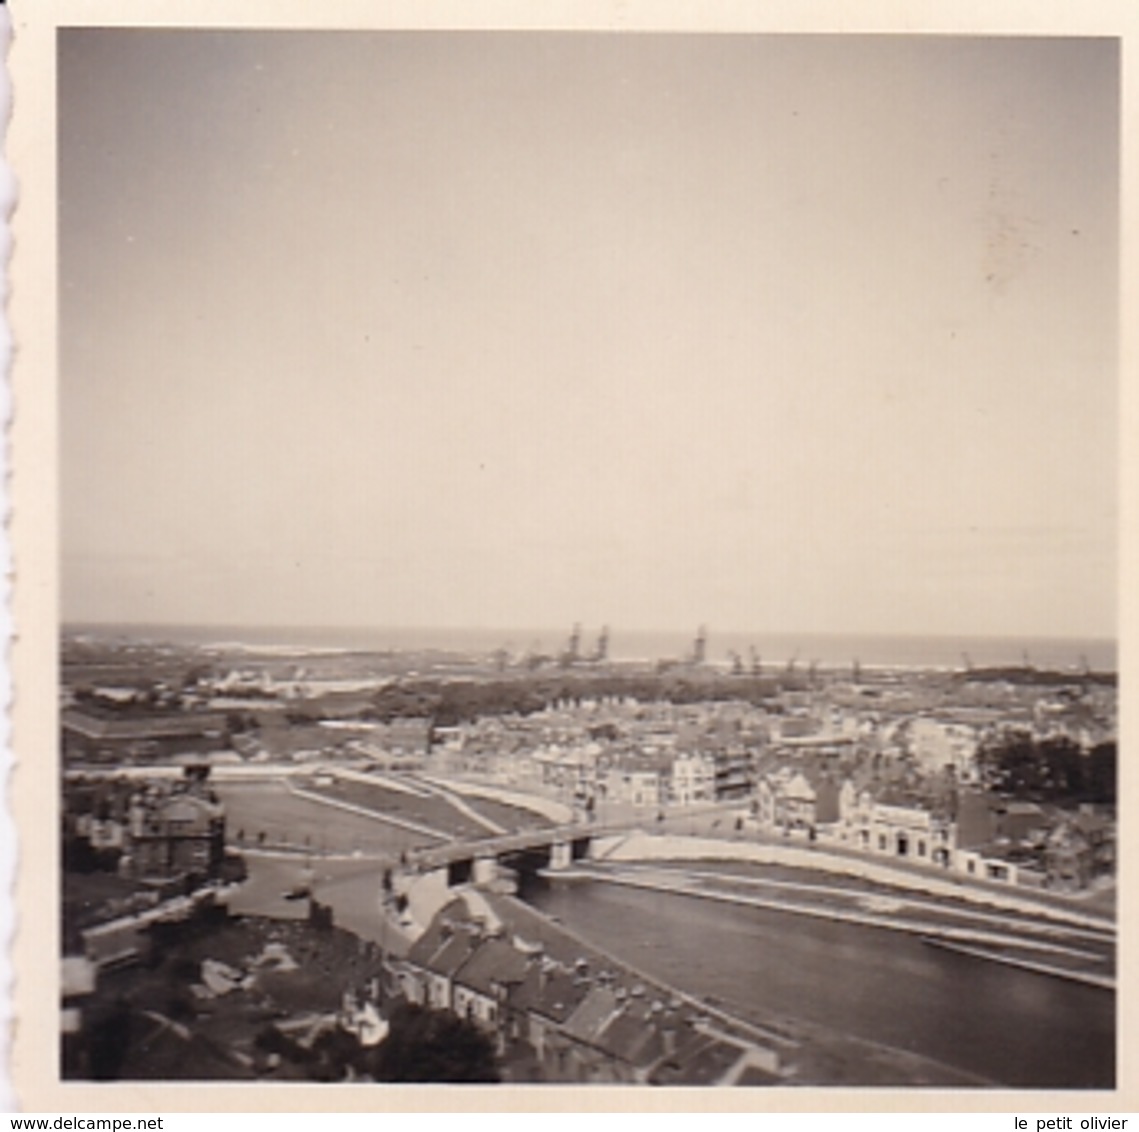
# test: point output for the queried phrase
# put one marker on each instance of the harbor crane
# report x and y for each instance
(572, 653)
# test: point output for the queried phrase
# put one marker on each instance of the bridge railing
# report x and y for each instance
(440, 855)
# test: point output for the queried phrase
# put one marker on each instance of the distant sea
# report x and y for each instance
(774, 649)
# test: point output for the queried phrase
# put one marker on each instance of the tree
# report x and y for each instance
(433, 1046)
(109, 1039)
(1063, 772)
(1102, 773)
(1054, 769)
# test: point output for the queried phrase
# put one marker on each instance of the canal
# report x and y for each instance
(1011, 1026)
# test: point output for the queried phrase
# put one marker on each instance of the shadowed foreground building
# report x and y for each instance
(579, 1022)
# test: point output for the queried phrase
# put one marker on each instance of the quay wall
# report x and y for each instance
(656, 847)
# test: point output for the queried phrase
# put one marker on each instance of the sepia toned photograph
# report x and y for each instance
(587, 558)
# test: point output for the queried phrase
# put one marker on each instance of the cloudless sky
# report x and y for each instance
(519, 329)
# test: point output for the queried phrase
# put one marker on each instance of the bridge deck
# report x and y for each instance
(440, 855)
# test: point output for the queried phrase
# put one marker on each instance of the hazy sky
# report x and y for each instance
(772, 333)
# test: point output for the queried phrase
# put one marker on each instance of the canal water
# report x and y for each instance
(1007, 1025)
(1011, 1026)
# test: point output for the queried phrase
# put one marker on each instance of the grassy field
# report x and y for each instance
(269, 808)
(422, 809)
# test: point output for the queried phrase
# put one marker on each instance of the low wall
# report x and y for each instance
(604, 848)
(653, 847)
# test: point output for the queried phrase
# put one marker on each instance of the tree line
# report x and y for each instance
(447, 703)
(1055, 769)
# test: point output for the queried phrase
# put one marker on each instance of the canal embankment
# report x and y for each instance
(1020, 942)
(644, 847)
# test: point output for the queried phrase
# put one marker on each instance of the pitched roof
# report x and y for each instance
(1025, 809)
(441, 929)
(592, 1015)
(159, 1049)
(494, 962)
(553, 992)
(633, 1037)
(701, 1059)
(453, 954)
(902, 797)
(188, 807)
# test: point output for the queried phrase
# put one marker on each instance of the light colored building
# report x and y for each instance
(936, 744)
(884, 821)
(794, 801)
(693, 779)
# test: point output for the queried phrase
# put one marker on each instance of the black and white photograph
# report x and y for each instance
(587, 557)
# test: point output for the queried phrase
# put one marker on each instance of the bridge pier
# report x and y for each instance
(484, 870)
(561, 854)
(476, 862)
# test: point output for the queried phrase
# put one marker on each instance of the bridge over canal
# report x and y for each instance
(477, 859)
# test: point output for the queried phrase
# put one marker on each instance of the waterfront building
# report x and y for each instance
(639, 778)
(692, 779)
(435, 959)
(886, 819)
(579, 1022)
(797, 801)
(1079, 848)
(483, 983)
(734, 774)
(907, 827)
(171, 835)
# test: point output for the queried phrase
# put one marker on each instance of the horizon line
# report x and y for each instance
(585, 627)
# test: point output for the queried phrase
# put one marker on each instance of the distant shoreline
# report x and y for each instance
(871, 651)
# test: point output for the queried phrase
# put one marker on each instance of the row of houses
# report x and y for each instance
(648, 779)
(577, 1022)
(966, 830)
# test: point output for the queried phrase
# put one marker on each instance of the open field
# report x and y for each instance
(420, 807)
(511, 818)
(269, 808)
